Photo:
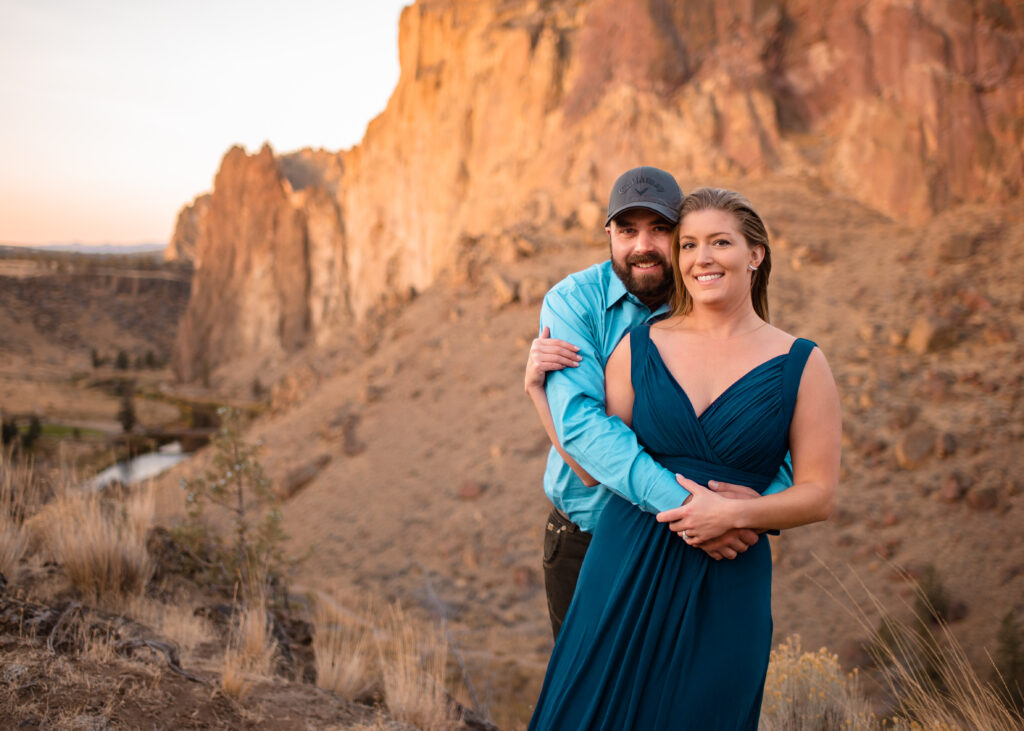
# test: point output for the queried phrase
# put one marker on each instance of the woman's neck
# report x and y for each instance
(721, 323)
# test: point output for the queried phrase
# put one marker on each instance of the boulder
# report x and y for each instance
(915, 447)
(929, 335)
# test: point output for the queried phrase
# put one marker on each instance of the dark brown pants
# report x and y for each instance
(565, 545)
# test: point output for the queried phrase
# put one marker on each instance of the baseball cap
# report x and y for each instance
(645, 187)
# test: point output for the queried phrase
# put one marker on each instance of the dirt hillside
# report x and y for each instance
(428, 458)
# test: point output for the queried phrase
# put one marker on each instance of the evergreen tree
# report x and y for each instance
(1009, 662)
(126, 413)
(8, 431)
(35, 429)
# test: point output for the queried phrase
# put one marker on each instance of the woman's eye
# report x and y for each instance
(722, 242)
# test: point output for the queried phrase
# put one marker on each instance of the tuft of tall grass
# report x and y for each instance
(15, 478)
(928, 674)
(345, 651)
(413, 660)
(101, 544)
(251, 648)
(175, 621)
(806, 690)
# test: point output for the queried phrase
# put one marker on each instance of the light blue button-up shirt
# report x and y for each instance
(593, 310)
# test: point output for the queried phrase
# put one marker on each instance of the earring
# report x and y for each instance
(752, 267)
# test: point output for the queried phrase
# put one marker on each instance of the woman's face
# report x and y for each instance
(714, 258)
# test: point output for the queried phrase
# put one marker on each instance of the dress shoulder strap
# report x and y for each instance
(799, 352)
(639, 342)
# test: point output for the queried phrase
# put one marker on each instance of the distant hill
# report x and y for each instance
(76, 248)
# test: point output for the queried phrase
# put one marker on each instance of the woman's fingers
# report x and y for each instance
(552, 354)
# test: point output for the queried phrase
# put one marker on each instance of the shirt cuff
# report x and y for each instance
(666, 494)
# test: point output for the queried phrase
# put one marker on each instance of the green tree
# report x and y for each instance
(9, 431)
(32, 434)
(121, 362)
(126, 412)
(236, 483)
(1008, 675)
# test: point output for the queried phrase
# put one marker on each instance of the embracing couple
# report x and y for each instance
(684, 426)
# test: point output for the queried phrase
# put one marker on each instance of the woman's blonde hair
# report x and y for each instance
(753, 230)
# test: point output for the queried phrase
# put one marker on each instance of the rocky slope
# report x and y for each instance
(510, 120)
(413, 462)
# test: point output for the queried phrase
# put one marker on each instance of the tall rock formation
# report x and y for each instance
(191, 218)
(513, 115)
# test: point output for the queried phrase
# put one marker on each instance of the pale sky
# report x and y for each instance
(115, 113)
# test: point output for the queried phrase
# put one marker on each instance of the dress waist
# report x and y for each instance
(701, 471)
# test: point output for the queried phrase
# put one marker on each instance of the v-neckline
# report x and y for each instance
(719, 397)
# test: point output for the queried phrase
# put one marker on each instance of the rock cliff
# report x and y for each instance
(510, 120)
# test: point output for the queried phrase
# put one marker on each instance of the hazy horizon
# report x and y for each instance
(124, 111)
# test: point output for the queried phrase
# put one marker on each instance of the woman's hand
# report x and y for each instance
(548, 354)
(706, 514)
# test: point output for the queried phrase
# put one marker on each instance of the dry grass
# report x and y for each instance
(413, 659)
(175, 621)
(345, 651)
(807, 690)
(15, 478)
(101, 545)
(927, 671)
(250, 651)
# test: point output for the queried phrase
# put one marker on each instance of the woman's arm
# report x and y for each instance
(618, 383)
(815, 436)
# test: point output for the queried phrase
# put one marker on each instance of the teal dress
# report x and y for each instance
(659, 635)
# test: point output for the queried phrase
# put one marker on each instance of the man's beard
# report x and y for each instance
(650, 289)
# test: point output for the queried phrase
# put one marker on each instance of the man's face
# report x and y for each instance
(641, 242)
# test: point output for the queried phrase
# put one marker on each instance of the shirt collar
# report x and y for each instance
(616, 291)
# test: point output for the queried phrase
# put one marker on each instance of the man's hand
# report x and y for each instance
(548, 354)
(730, 544)
(727, 545)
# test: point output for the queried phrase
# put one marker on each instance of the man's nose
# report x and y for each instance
(645, 241)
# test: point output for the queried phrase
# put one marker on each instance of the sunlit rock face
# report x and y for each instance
(522, 114)
(191, 217)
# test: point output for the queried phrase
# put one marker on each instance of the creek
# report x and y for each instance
(140, 468)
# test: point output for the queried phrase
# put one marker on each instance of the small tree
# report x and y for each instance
(236, 483)
(1008, 675)
(9, 431)
(126, 412)
(34, 431)
(121, 362)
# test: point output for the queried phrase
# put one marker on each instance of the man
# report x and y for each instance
(593, 453)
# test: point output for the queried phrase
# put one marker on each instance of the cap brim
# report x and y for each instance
(669, 213)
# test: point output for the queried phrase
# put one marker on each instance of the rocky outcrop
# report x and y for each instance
(517, 117)
(182, 247)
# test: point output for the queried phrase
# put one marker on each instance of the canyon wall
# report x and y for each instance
(510, 120)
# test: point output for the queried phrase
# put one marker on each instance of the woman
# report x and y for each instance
(659, 635)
